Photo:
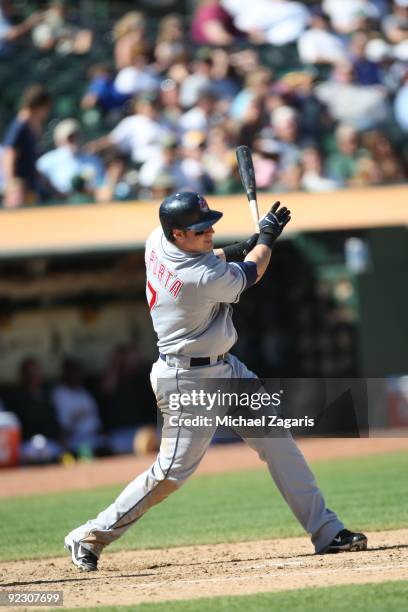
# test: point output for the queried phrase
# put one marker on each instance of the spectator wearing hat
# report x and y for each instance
(22, 183)
(68, 161)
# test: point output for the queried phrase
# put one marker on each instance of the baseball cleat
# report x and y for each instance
(82, 558)
(346, 541)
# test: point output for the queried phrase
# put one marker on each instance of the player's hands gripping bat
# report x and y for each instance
(272, 224)
(247, 174)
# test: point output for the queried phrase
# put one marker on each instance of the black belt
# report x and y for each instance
(197, 361)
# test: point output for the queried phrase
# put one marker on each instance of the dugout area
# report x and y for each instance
(72, 281)
(301, 321)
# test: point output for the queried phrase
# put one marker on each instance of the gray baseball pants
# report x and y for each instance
(180, 453)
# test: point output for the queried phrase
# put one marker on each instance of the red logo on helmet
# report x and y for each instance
(203, 203)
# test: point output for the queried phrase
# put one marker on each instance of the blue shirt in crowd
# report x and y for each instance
(20, 137)
(61, 165)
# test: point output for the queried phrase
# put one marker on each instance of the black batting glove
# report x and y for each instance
(272, 224)
(239, 250)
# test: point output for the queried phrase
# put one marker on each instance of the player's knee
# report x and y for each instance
(169, 480)
(172, 481)
(165, 488)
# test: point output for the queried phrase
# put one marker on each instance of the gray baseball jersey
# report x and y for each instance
(189, 296)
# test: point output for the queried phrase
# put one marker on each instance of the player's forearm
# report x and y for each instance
(261, 256)
(237, 251)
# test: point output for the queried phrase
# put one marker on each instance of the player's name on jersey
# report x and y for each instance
(270, 420)
(166, 278)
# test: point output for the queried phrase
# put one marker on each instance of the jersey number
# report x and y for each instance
(153, 299)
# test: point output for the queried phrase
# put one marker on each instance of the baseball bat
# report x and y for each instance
(247, 174)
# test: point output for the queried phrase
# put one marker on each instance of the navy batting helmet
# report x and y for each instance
(186, 210)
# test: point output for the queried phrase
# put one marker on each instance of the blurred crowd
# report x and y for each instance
(180, 101)
(83, 415)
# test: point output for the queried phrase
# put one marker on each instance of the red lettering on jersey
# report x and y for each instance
(169, 275)
(160, 273)
(152, 257)
(166, 279)
(175, 287)
(155, 264)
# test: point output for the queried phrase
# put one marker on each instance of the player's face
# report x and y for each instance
(195, 242)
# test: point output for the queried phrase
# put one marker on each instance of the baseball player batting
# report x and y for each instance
(190, 289)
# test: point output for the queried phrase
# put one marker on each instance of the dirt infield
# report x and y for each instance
(133, 577)
(235, 457)
(208, 571)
